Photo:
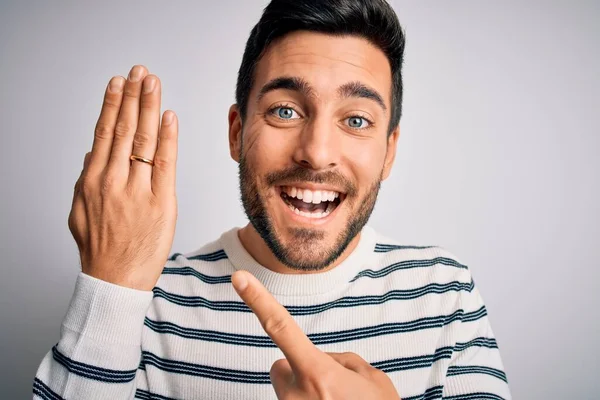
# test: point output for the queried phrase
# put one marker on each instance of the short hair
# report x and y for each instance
(374, 20)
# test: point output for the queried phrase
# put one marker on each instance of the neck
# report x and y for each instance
(258, 249)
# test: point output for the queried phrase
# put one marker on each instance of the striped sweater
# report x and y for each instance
(413, 312)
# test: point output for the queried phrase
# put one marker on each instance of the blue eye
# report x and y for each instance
(358, 122)
(284, 112)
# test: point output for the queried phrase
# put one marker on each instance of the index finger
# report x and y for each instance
(277, 322)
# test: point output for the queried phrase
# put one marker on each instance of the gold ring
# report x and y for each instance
(142, 159)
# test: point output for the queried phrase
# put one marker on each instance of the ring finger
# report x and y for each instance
(125, 128)
(145, 140)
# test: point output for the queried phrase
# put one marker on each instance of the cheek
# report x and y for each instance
(269, 149)
(365, 160)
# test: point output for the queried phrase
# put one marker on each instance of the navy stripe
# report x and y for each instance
(369, 273)
(214, 256)
(475, 396)
(480, 341)
(321, 338)
(430, 394)
(180, 367)
(174, 256)
(43, 391)
(476, 369)
(402, 364)
(191, 271)
(475, 315)
(92, 371)
(384, 248)
(354, 301)
(232, 375)
(143, 394)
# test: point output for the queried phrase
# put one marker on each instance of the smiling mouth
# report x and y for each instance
(314, 204)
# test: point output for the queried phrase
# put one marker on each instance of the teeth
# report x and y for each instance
(310, 196)
(317, 197)
(307, 196)
(314, 215)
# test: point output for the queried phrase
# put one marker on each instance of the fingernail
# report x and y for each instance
(135, 74)
(116, 84)
(149, 84)
(168, 118)
(240, 282)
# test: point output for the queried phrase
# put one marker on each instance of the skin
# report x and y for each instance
(124, 212)
(318, 141)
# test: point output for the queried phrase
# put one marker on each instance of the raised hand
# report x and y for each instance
(306, 372)
(124, 212)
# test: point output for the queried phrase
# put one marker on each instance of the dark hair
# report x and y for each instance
(374, 20)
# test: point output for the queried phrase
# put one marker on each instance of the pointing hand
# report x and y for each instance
(306, 372)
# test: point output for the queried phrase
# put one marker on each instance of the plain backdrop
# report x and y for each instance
(497, 159)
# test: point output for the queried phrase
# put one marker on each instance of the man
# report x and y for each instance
(305, 302)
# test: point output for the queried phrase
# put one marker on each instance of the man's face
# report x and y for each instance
(314, 146)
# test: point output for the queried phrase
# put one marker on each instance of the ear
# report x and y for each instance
(390, 154)
(235, 132)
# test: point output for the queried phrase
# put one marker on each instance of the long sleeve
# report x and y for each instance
(99, 349)
(475, 370)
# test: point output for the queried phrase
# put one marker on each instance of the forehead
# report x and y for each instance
(325, 62)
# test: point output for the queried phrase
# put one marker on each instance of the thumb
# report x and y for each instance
(282, 377)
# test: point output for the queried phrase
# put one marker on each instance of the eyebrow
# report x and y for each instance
(288, 83)
(360, 90)
(347, 90)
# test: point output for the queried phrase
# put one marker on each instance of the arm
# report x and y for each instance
(123, 221)
(476, 370)
(99, 349)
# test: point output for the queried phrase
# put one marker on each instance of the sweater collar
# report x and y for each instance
(300, 284)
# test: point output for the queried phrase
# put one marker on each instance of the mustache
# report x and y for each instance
(297, 173)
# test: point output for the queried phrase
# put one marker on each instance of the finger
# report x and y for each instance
(282, 377)
(146, 136)
(277, 323)
(86, 163)
(78, 205)
(165, 159)
(351, 361)
(104, 131)
(126, 125)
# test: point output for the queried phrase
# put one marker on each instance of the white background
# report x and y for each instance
(497, 159)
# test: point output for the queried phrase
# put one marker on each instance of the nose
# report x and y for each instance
(319, 146)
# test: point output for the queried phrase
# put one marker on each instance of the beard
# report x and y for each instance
(307, 252)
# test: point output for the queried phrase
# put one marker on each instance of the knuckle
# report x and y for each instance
(275, 324)
(141, 139)
(112, 100)
(353, 356)
(147, 102)
(108, 184)
(162, 163)
(131, 91)
(86, 186)
(123, 129)
(103, 131)
(376, 374)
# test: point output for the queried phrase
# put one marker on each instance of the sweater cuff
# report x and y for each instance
(107, 312)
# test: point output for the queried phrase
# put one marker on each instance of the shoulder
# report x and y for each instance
(434, 261)
(207, 256)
